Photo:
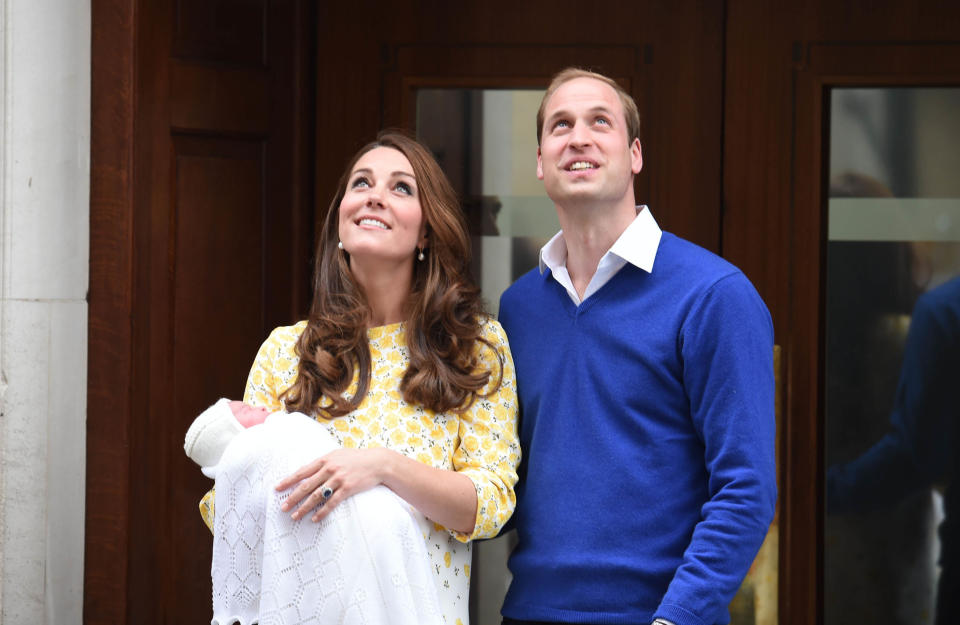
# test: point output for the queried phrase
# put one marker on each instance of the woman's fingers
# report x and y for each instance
(316, 500)
(300, 474)
(307, 479)
(327, 481)
(339, 494)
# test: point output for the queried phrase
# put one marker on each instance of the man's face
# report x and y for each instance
(584, 155)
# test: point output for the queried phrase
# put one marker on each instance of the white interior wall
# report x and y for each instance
(510, 174)
(44, 256)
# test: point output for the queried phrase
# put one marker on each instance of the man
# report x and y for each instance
(645, 378)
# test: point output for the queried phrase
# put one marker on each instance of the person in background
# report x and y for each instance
(919, 451)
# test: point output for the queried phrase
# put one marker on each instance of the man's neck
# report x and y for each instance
(589, 232)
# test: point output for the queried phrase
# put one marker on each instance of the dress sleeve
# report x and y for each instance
(265, 382)
(489, 450)
(264, 385)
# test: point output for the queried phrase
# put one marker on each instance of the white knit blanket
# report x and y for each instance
(365, 563)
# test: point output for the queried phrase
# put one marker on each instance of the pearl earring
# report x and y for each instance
(420, 256)
(340, 245)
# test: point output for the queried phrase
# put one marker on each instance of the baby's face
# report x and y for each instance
(248, 415)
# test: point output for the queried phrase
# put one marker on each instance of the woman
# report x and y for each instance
(400, 363)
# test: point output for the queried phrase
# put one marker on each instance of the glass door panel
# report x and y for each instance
(892, 332)
(486, 143)
(485, 140)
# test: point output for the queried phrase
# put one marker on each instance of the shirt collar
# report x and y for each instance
(637, 244)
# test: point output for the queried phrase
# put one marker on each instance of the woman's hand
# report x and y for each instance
(443, 496)
(345, 472)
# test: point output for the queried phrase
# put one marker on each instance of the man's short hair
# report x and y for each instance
(630, 112)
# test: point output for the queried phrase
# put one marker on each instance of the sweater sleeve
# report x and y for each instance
(269, 376)
(489, 450)
(726, 345)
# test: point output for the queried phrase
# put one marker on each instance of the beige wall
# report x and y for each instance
(44, 203)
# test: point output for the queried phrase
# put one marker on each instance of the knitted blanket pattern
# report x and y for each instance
(364, 563)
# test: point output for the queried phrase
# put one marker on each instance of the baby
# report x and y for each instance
(365, 562)
(212, 431)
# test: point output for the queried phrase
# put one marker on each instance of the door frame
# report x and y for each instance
(819, 67)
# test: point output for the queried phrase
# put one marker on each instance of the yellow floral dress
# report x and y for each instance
(481, 443)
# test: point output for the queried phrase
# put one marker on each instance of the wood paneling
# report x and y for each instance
(217, 287)
(111, 267)
(781, 58)
(669, 54)
(218, 99)
(200, 244)
(218, 269)
(226, 31)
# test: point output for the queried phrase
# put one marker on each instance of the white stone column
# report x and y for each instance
(44, 256)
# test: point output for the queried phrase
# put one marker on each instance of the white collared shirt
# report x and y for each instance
(636, 245)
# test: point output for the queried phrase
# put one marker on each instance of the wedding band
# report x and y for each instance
(326, 492)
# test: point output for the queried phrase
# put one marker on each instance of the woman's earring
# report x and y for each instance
(420, 256)
(340, 245)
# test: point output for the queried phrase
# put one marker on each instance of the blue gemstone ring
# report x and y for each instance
(326, 492)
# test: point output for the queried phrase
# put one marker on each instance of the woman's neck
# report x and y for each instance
(386, 286)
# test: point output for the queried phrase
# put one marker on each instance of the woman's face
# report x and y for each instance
(380, 214)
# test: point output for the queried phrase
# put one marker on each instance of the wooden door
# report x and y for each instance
(201, 214)
(782, 59)
(669, 55)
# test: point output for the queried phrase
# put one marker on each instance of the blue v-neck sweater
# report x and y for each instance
(647, 426)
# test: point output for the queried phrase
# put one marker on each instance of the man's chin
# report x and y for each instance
(579, 190)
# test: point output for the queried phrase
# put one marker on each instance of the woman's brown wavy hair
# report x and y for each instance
(445, 311)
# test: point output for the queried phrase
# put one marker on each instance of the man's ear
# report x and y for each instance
(539, 166)
(636, 157)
